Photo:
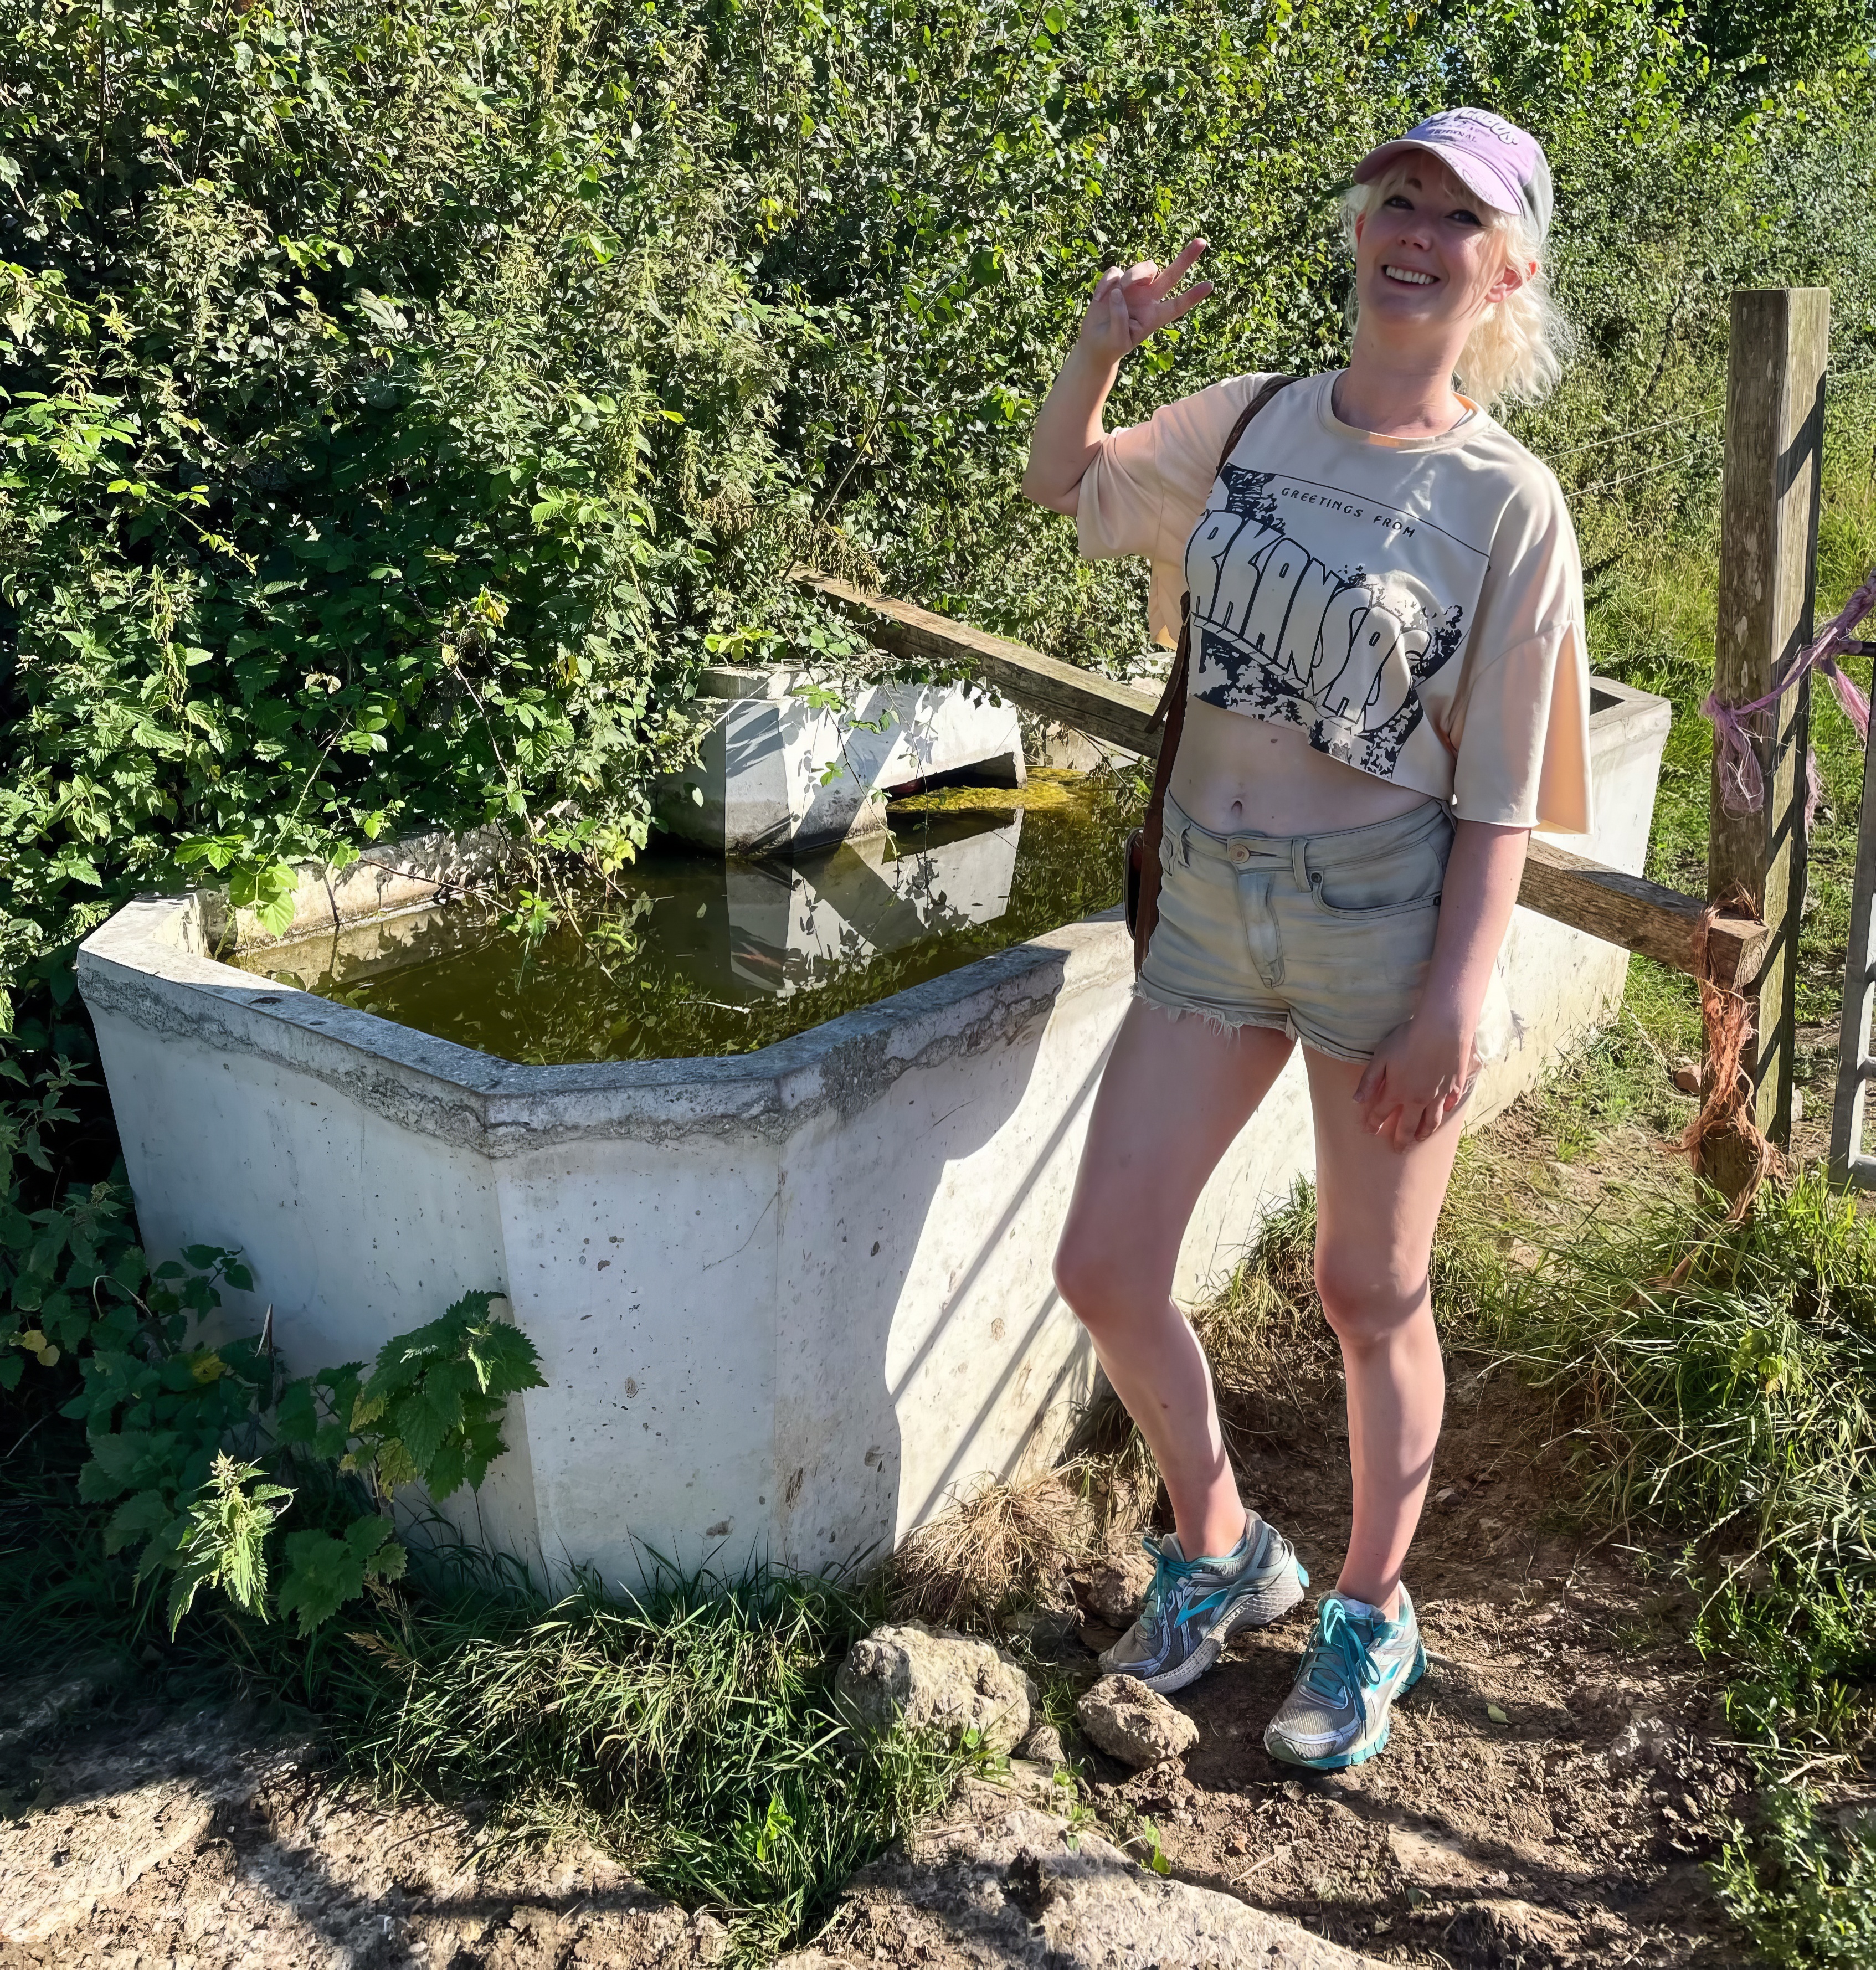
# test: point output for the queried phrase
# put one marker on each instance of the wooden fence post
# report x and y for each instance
(1768, 564)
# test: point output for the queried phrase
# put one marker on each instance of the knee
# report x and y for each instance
(1366, 1300)
(1094, 1276)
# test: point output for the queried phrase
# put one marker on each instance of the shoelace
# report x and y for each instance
(1168, 1572)
(1339, 1659)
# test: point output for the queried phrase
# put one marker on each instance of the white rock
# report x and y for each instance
(1114, 1595)
(1134, 1724)
(1646, 1740)
(935, 1679)
(1043, 1746)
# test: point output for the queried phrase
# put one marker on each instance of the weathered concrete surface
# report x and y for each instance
(416, 873)
(776, 773)
(784, 1302)
(999, 1884)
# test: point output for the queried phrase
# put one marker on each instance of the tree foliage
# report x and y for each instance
(398, 396)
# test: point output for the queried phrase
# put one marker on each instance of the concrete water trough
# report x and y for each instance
(784, 1302)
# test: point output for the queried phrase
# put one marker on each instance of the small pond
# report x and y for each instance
(686, 954)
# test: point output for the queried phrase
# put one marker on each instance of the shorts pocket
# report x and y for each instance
(1409, 879)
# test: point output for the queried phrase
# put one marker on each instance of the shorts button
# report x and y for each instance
(1238, 853)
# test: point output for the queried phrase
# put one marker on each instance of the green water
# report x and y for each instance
(688, 955)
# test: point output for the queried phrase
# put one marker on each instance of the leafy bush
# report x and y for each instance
(163, 1404)
(1803, 1889)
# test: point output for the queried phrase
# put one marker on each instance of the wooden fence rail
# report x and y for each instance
(1628, 910)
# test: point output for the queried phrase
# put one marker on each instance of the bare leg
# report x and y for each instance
(1175, 1093)
(1376, 1210)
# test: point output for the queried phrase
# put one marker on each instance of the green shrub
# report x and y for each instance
(167, 1399)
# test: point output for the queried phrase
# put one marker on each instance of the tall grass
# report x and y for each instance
(690, 1730)
(693, 1730)
(1721, 1378)
(1718, 1384)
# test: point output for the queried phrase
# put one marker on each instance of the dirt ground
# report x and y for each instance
(1553, 1786)
(180, 1841)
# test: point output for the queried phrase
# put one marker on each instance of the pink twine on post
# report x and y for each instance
(1742, 780)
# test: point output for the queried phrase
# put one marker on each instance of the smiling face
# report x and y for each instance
(1429, 260)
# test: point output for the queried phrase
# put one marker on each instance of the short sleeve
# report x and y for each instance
(1145, 487)
(1521, 727)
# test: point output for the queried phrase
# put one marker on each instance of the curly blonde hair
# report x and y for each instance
(1519, 345)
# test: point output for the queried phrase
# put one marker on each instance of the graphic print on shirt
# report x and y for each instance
(1288, 627)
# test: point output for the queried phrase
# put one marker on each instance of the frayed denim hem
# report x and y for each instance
(1225, 1023)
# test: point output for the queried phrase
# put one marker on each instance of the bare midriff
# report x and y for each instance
(1237, 774)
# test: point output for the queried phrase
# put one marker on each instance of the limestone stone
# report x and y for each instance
(935, 1679)
(1020, 1890)
(1043, 1746)
(1113, 1594)
(1134, 1724)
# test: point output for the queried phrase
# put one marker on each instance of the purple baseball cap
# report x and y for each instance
(1504, 165)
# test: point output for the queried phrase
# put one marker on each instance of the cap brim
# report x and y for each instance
(1502, 194)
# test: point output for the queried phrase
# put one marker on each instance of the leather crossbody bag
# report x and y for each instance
(1142, 860)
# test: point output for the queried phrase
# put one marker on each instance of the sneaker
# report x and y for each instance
(1195, 1607)
(1336, 1713)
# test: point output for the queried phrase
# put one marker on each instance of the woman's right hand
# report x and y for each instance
(1127, 307)
(1130, 304)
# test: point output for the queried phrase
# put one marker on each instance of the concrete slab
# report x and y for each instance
(781, 770)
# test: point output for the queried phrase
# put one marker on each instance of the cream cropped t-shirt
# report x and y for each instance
(1414, 606)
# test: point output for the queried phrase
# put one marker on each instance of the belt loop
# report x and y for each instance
(1185, 844)
(1300, 859)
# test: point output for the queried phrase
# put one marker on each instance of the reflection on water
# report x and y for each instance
(693, 955)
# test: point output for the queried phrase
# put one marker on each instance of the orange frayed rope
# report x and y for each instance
(1726, 1108)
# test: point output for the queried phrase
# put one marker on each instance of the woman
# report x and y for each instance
(1388, 691)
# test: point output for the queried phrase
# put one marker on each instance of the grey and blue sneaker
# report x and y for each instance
(1337, 1712)
(1194, 1607)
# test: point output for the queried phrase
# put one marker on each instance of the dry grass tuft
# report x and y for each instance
(1004, 1549)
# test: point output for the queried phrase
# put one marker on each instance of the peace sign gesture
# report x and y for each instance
(1129, 304)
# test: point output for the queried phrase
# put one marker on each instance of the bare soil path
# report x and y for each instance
(1552, 1785)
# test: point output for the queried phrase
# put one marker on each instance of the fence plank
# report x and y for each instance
(1639, 915)
(1084, 699)
(1628, 910)
(1768, 559)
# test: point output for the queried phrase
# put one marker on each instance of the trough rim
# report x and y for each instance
(137, 965)
(146, 963)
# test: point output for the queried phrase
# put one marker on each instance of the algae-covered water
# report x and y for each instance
(686, 954)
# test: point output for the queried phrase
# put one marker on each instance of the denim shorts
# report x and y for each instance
(1327, 937)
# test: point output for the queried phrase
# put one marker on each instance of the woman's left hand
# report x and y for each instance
(1416, 1078)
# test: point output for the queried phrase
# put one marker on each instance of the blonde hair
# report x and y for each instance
(1519, 345)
